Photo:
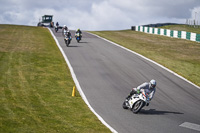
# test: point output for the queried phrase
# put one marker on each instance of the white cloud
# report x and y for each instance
(99, 14)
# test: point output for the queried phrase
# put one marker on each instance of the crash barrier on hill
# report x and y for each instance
(170, 33)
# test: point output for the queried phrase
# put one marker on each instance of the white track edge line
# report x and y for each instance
(148, 60)
(79, 87)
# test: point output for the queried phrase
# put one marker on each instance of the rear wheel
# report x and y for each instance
(137, 106)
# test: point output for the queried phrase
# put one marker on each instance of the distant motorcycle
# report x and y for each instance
(78, 37)
(56, 28)
(136, 102)
(67, 40)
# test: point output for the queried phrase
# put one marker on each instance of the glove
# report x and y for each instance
(138, 91)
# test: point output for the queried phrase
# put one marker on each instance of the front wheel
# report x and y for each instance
(68, 42)
(137, 106)
(78, 39)
(124, 105)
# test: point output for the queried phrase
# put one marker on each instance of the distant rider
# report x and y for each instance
(78, 31)
(149, 89)
(68, 34)
(57, 24)
(64, 30)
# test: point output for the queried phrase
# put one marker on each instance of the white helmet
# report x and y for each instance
(152, 84)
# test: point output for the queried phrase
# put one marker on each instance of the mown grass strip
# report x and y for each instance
(36, 86)
(180, 56)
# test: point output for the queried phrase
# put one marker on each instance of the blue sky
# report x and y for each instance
(99, 14)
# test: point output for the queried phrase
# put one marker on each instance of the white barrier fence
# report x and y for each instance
(170, 33)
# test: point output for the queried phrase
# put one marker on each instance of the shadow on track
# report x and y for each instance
(73, 46)
(83, 42)
(156, 112)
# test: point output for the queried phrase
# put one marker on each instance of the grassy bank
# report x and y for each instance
(181, 56)
(36, 86)
(182, 28)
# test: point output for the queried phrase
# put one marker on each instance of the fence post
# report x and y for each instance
(198, 37)
(74, 91)
(188, 35)
(171, 33)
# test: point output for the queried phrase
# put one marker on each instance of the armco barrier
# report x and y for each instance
(175, 34)
(198, 37)
(188, 35)
(165, 32)
(170, 33)
(179, 34)
(183, 34)
(161, 31)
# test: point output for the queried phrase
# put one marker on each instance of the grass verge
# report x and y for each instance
(181, 56)
(36, 86)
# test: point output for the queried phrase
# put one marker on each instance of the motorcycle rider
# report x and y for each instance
(148, 87)
(64, 30)
(68, 34)
(57, 24)
(78, 31)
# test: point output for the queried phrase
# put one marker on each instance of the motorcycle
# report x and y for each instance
(56, 28)
(136, 102)
(78, 37)
(67, 40)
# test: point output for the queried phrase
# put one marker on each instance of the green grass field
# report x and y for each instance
(36, 86)
(179, 55)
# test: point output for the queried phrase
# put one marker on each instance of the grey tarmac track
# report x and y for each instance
(107, 73)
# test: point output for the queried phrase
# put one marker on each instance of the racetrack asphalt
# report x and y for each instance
(107, 73)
